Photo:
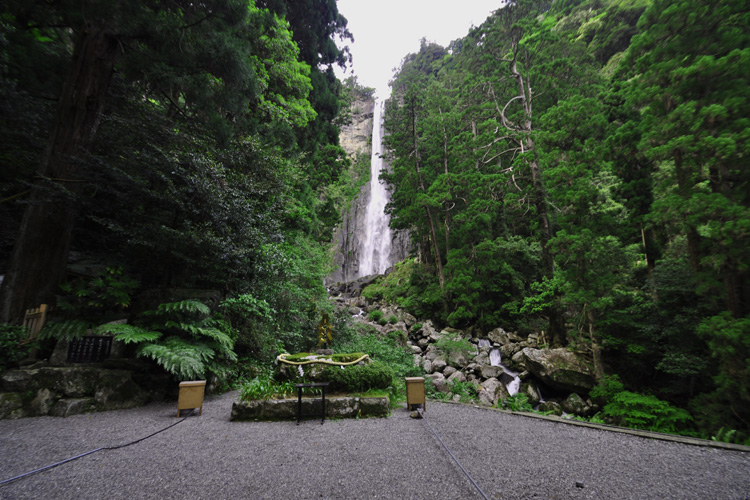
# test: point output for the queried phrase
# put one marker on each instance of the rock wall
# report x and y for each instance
(69, 389)
(355, 137)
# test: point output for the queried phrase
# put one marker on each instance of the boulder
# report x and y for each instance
(517, 361)
(458, 359)
(427, 330)
(457, 376)
(482, 359)
(11, 405)
(502, 337)
(74, 406)
(19, 381)
(472, 368)
(533, 339)
(438, 380)
(374, 407)
(559, 369)
(345, 407)
(116, 390)
(491, 371)
(531, 392)
(431, 353)
(491, 391)
(427, 365)
(415, 349)
(439, 365)
(408, 319)
(448, 371)
(551, 406)
(71, 381)
(43, 402)
(574, 404)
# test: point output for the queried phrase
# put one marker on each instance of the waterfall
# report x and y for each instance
(375, 250)
(510, 378)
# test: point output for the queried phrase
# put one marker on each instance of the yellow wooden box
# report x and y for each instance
(415, 395)
(191, 396)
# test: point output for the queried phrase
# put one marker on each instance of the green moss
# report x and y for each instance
(359, 378)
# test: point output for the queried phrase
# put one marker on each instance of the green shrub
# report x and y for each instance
(641, 411)
(375, 315)
(605, 390)
(517, 402)
(87, 303)
(265, 387)
(359, 378)
(10, 348)
(254, 321)
(466, 390)
(393, 319)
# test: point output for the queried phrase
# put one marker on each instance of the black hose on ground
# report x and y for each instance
(421, 414)
(117, 447)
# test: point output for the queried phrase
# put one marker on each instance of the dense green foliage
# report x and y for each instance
(264, 386)
(212, 162)
(578, 167)
(11, 349)
(183, 339)
(359, 378)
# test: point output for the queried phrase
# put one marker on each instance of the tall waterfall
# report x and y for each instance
(375, 249)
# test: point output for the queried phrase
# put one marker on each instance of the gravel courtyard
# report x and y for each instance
(209, 457)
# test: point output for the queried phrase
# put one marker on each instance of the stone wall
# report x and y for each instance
(286, 409)
(68, 389)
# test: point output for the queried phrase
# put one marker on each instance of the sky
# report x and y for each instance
(387, 30)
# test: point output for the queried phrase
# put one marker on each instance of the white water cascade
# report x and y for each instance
(510, 378)
(374, 256)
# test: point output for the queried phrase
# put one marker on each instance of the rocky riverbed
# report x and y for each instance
(497, 363)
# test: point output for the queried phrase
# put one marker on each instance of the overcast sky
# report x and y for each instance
(387, 30)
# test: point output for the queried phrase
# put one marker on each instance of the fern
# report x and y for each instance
(129, 334)
(178, 357)
(646, 412)
(67, 330)
(190, 307)
(724, 435)
(221, 338)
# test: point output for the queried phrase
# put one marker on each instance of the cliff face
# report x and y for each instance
(355, 137)
(356, 140)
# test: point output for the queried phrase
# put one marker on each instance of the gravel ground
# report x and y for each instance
(209, 457)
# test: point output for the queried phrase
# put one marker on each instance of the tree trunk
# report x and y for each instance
(596, 351)
(40, 254)
(430, 218)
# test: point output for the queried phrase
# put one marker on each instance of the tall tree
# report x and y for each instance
(185, 54)
(686, 74)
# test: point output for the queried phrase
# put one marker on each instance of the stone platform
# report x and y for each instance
(286, 409)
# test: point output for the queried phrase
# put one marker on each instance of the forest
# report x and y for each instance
(580, 168)
(571, 167)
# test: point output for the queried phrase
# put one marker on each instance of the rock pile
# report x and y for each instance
(556, 380)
